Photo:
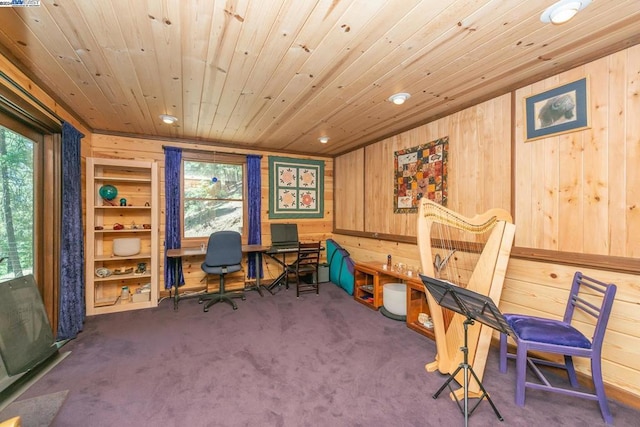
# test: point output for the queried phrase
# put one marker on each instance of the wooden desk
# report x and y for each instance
(177, 254)
(370, 278)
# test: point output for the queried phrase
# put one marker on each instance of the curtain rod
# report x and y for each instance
(212, 152)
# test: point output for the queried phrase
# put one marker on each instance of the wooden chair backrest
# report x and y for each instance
(308, 255)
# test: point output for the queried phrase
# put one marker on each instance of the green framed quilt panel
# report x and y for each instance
(296, 188)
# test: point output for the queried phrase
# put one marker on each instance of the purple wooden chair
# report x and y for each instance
(561, 337)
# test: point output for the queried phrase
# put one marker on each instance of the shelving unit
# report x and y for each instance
(367, 289)
(137, 183)
(416, 304)
(370, 278)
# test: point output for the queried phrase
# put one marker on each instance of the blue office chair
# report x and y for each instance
(224, 255)
(590, 302)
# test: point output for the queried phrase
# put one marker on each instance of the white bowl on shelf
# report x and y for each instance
(126, 246)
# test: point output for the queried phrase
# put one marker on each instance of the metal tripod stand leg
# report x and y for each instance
(466, 370)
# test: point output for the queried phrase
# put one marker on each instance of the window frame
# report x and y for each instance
(23, 114)
(218, 158)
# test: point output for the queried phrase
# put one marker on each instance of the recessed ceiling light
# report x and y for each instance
(323, 139)
(166, 118)
(399, 98)
(562, 11)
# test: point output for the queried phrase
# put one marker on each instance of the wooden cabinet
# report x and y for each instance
(130, 217)
(416, 304)
(366, 289)
(370, 278)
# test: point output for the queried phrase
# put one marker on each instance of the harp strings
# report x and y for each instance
(458, 246)
(445, 260)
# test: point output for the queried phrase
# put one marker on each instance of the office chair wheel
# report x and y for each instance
(243, 298)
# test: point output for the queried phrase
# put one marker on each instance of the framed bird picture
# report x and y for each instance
(556, 111)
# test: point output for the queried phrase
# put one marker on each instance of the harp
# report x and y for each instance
(472, 253)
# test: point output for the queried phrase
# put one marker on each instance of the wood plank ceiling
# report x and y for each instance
(278, 74)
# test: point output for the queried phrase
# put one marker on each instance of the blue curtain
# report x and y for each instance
(254, 193)
(172, 165)
(72, 304)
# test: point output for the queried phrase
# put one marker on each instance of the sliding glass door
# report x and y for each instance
(17, 204)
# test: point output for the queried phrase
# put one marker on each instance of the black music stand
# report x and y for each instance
(473, 306)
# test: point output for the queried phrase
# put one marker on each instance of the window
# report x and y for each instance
(28, 210)
(17, 197)
(214, 194)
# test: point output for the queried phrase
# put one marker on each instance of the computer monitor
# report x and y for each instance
(284, 234)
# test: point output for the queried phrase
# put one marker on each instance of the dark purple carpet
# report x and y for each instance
(277, 361)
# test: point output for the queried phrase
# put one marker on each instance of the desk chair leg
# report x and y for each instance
(221, 295)
(225, 298)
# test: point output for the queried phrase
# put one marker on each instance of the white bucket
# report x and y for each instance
(394, 297)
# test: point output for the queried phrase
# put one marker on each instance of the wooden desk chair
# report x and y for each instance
(307, 263)
(589, 304)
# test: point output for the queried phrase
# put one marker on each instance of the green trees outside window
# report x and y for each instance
(213, 198)
(17, 204)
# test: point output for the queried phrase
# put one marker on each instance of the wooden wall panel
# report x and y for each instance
(632, 154)
(596, 153)
(377, 170)
(349, 196)
(577, 192)
(363, 249)
(479, 157)
(479, 177)
(616, 159)
(149, 149)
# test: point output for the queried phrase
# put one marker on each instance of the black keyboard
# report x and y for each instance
(282, 249)
(286, 249)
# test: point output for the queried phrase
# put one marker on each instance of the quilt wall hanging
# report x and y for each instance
(420, 172)
(296, 188)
